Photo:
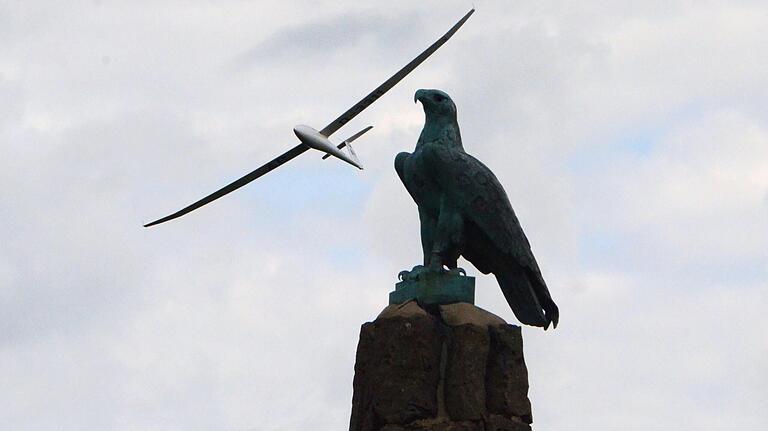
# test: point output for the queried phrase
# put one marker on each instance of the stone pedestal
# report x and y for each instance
(442, 367)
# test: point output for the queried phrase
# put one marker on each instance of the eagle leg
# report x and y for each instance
(428, 228)
(448, 237)
(441, 241)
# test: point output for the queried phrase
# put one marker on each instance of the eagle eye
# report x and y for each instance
(439, 98)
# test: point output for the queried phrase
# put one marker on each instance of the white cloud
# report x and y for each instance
(630, 137)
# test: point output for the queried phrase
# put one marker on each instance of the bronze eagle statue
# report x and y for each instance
(464, 211)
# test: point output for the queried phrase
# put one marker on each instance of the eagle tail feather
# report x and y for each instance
(551, 311)
(521, 291)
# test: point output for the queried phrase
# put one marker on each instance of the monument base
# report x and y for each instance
(455, 367)
(434, 288)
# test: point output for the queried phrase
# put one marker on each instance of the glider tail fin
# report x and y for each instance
(349, 140)
(347, 143)
(353, 154)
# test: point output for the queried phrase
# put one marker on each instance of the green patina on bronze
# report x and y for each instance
(434, 288)
(465, 212)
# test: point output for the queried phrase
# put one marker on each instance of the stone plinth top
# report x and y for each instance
(460, 313)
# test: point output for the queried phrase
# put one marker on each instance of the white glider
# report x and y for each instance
(311, 138)
(314, 139)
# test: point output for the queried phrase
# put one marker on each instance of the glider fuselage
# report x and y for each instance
(314, 139)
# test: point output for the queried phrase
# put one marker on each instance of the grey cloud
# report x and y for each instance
(324, 38)
(232, 316)
(11, 102)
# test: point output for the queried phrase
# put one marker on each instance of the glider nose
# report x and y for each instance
(299, 131)
(304, 132)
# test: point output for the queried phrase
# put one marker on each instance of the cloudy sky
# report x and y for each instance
(631, 137)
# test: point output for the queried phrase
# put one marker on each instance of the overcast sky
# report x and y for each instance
(631, 137)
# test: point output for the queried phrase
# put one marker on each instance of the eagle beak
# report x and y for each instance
(418, 95)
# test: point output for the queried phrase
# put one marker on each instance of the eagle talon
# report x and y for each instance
(413, 274)
(416, 273)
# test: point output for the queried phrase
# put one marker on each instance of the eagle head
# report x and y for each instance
(435, 103)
